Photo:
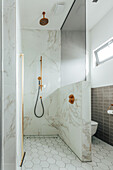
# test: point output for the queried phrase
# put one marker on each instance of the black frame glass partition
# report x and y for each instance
(73, 43)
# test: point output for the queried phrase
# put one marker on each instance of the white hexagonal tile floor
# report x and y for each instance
(51, 153)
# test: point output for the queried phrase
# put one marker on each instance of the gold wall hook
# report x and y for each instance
(110, 107)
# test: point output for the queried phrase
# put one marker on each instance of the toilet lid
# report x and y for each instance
(94, 123)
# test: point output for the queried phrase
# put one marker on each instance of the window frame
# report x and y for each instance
(99, 49)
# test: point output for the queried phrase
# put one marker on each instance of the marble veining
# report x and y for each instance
(71, 122)
(9, 85)
(60, 117)
(47, 44)
(74, 127)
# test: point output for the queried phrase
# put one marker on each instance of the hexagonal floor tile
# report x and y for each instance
(46, 153)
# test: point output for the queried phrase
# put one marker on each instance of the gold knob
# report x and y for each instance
(39, 78)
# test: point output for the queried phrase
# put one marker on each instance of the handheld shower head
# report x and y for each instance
(44, 21)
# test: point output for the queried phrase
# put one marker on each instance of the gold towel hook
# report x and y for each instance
(110, 106)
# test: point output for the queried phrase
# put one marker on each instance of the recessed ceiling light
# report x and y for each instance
(59, 8)
(95, 1)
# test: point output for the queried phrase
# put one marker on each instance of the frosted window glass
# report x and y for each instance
(104, 53)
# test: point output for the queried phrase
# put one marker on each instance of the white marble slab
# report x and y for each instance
(47, 44)
(75, 120)
(9, 84)
(71, 122)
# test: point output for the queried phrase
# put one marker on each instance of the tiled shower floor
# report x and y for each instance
(48, 153)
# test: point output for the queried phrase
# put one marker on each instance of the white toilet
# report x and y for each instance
(94, 126)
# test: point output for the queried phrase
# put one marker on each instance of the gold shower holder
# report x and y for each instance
(41, 86)
(40, 77)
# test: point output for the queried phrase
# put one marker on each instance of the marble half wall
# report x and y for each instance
(75, 119)
(47, 44)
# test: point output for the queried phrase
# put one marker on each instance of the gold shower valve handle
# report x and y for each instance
(39, 78)
(71, 99)
(40, 97)
(71, 96)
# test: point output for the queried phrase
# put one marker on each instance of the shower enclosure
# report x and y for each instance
(64, 75)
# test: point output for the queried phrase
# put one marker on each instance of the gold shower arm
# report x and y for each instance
(40, 78)
(41, 71)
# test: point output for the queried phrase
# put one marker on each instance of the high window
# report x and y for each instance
(104, 53)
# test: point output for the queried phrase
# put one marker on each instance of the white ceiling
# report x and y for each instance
(31, 13)
(76, 19)
(96, 11)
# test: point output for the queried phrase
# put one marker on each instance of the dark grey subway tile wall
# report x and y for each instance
(101, 99)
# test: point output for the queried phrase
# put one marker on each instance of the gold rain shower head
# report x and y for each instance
(44, 21)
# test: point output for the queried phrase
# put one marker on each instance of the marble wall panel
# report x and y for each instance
(47, 44)
(75, 120)
(9, 83)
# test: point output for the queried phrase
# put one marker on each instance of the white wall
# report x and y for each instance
(102, 74)
(73, 60)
